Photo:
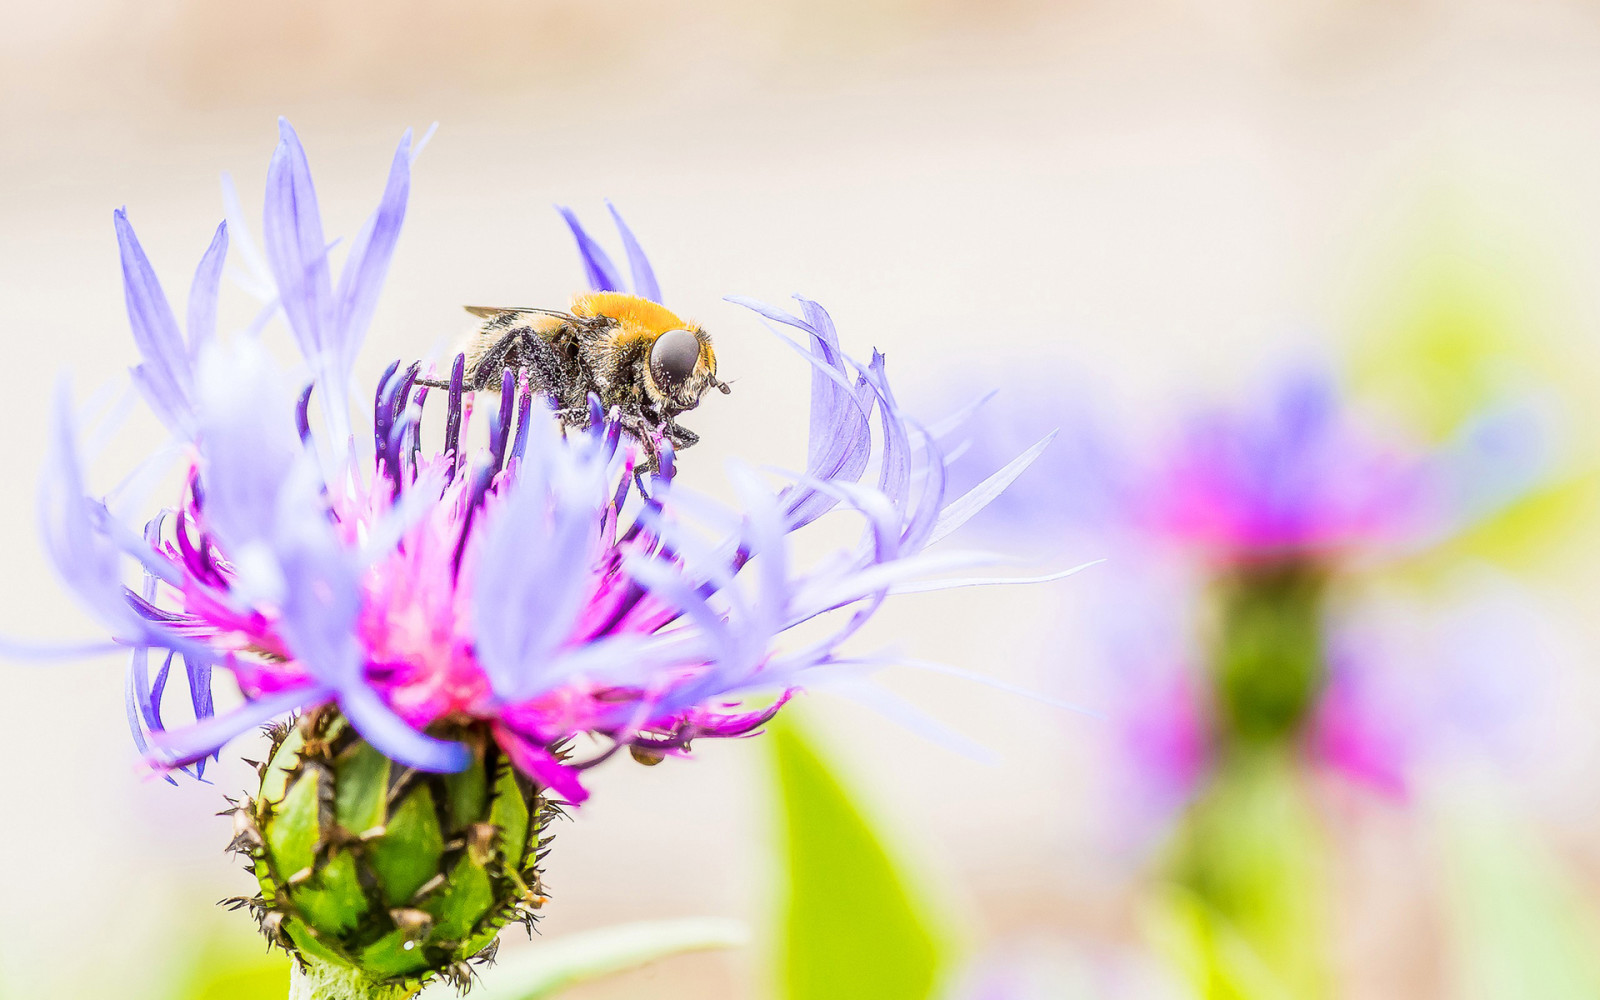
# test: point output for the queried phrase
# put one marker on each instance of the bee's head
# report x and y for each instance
(682, 367)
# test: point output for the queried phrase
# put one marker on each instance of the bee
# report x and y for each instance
(635, 354)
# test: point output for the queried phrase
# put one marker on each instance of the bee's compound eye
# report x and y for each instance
(673, 357)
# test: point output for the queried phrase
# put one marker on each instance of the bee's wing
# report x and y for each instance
(490, 312)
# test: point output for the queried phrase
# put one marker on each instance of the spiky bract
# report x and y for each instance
(401, 875)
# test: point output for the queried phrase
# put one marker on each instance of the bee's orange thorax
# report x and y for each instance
(636, 315)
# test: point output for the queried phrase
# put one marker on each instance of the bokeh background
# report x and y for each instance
(1132, 205)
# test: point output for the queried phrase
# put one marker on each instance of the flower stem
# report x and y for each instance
(313, 980)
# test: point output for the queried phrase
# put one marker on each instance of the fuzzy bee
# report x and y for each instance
(635, 354)
(626, 348)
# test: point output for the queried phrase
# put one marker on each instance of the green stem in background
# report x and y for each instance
(1268, 664)
(1247, 864)
(1247, 898)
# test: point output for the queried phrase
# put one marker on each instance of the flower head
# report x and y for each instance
(1238, 530)
(533, 582)
(1297, 478)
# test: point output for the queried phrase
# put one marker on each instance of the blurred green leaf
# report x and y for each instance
(561, 962)
(1207, 950)
(232, 963)
(1462, 312)
(850, 928)
(1546, 522)
(1520, 928)
(1466, 316)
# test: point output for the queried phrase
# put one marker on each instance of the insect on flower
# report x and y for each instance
(627, 349)
(523, 585)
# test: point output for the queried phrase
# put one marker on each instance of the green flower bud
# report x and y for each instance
(376, 873)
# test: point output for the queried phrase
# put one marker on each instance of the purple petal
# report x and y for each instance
(249, 443)
(644, 276)
(959, 419)
(669, 587)
(135, 726)
(892, 707)
(766, 535)
(928, 586)
(840, 440)
(519, 444)
(841, 432)
(203, 293)
(395, 739)
(87, 562)
(364, 270)
(133, 544)
(962, 509)
(296, 248)
(24, 649)
(321, 602)
(198, 673)
(894, 473)
(603, 275)
(189, 744)
(257, 276)
(141, 695)
(165, 378)
(925, 513)
(532, 573)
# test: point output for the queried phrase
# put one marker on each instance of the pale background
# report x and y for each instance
(1158, 196)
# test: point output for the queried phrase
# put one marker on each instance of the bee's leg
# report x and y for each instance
(680, 436)
(548, 375)
(485, 374)
(638, 481)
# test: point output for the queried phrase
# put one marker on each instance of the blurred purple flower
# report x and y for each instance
(1301, 477)
(525, 583)
(1303, 473)
(1298, 478)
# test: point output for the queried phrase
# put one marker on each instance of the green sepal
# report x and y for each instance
(510, 815)
(467, 794)
(408, 854)
(389, 958)
(363, 789)
(294, 832)
(333, 900)
(463, 901)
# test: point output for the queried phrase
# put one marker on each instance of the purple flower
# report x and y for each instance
(1231, 531)
(1301, 474)
(1298, 478)
(526, 582)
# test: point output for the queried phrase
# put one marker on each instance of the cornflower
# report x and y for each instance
(448, 621)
